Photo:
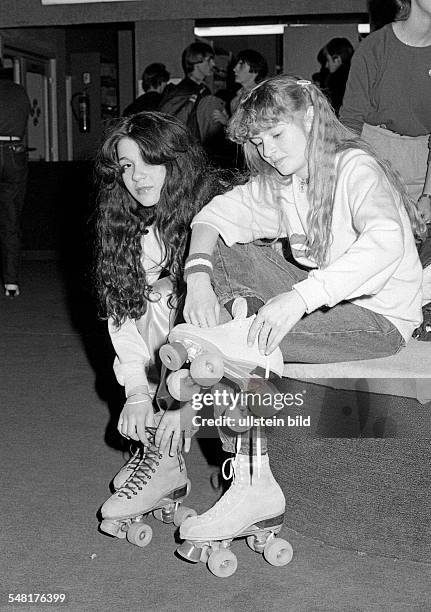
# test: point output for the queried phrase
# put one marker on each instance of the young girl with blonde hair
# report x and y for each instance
(351, 288)
(355, 271)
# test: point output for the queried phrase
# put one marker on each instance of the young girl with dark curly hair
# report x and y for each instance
(152, 178)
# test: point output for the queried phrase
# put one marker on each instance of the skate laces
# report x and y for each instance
(143, 472)
(134, 460)
(228, 462)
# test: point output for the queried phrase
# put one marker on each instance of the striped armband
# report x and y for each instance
(198, 262)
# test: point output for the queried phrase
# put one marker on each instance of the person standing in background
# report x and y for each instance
(338, 53)
(154, 80)
(15, 110)
(319, 78)
(250, 69)
(388, 96)
(191, 101)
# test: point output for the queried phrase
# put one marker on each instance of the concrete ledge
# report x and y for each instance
(371, 496)
(358, 476)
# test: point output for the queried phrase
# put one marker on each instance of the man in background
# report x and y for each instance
(154, 80)
(15, 109)
(192, 102)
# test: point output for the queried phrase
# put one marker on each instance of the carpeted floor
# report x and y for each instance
(59, 451)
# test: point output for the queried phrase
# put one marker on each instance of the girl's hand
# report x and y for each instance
(136, 416)
(201, 306)
(173, 426)
(275, 319)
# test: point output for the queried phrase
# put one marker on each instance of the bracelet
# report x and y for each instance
(140, 402)
(425, 195)
(136, 392)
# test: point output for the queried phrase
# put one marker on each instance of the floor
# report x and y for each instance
(59, 451)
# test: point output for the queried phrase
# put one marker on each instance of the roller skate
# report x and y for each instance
(158, 485)
(218, 353)
(252, 508)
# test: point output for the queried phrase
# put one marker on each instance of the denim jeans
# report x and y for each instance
(345, 332)
(13, 178)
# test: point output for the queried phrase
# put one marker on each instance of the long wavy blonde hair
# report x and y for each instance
(279, 99)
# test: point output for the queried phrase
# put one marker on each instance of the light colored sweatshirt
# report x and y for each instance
(373, 260)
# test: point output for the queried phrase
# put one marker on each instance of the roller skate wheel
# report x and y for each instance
(182, 513)
(278, 552)
(173, 356)
(181, 386)
(207, 369)
(222, 563)
(139, 534)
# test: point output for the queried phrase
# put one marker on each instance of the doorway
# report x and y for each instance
(38, 77)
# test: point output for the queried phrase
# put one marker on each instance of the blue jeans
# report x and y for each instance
(345, 332)
(13, 178)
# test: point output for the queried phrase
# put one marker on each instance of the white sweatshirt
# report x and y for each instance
(373, 260)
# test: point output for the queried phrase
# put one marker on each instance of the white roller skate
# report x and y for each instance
(252, 508)
(217, 352)
(158, 484)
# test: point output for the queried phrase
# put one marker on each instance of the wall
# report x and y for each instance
(85, 144)
(266, 45)
(162, 41)
(20, 13)
(302, 44)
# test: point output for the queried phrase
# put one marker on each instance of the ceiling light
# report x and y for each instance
(78, 1)
(252, 30)
(364, 28)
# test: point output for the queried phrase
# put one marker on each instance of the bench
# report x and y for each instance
(406, 374)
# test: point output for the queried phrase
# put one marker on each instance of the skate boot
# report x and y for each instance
(158, 484)
(252, 508)
(128, 468)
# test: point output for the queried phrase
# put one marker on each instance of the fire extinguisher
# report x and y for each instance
(81, 106)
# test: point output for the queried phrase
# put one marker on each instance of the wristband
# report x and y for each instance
(198, 262)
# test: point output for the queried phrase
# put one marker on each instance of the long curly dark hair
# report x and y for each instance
(121, 283)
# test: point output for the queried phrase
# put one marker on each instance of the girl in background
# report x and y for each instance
(388, 96)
